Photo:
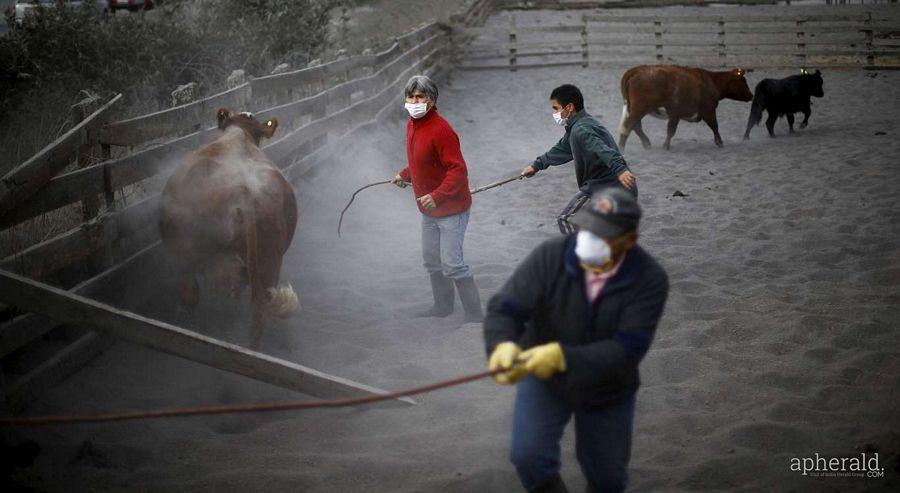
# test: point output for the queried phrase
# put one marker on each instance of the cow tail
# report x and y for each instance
(624, 89)
(756, 110)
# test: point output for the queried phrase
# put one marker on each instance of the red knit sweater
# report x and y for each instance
(436, 165)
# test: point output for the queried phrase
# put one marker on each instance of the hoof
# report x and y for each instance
(747, 137)
(646, 145)
(720, 144)
(803, 125)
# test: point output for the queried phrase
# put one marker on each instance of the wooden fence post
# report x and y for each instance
(512, 42)
(584, 42)
(723, 59)
(657, 35)
(801, 42)
(90, 206)
(870, 53)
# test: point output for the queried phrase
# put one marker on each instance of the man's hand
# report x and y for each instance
(529, 171)
(627, 179)
(504, 356)
(544, 360)
(399, 181)
(427, 201)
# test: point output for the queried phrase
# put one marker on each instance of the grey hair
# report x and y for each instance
(421, 83)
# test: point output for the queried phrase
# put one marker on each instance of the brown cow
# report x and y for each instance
(228, 213)
(676, 93)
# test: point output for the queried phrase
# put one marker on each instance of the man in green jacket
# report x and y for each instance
(598, 162)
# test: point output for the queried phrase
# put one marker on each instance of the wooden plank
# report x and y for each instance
(713, 28)
(46, 258)
(138, 166)
(29, 326)
(483, 55)
(272, 85)
(502, 32)
(60, 191)
(67, 361)
(81, 311)
(179, 120)
(746, 18)
(26, 179)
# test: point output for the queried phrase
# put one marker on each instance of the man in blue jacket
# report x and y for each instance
(598, 162)
(586, 306)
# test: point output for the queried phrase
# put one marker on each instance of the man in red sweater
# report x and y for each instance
(438, 174)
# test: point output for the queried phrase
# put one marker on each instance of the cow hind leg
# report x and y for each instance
(631, 121)
(639, 130)
(188, 290)
(790, 120)
(770, 124)
(670, 132)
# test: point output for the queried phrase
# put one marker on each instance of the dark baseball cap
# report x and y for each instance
(610, 212)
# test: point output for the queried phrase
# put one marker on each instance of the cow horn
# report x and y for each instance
(222, 117)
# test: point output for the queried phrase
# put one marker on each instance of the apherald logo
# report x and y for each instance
(864, 466)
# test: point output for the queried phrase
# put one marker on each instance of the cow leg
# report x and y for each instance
(188, 288)
(670, 132)
(639, 130)
(710, 119)
(790, 120)
(770, 124)
(628, 123)
(805, 122)
(266, 276)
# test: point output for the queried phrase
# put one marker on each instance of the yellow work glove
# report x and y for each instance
(504, 356)
(544, 360)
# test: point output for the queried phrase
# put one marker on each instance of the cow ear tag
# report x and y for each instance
(803, 71)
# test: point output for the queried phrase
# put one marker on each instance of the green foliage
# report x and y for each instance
(56, 52)
(66, 50)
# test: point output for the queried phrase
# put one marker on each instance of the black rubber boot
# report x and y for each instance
(555, 485)
(442, 289)
(471, 301)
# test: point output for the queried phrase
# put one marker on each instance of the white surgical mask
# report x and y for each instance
(417, 110)
(559, 119)
(591, 249)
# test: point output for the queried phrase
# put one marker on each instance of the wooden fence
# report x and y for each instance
(846, 36)
(316, 107)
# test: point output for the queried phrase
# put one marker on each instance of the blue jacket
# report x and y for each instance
(602, 342)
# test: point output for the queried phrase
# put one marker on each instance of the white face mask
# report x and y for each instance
(559, 119)
(591, 249)
(417, 110)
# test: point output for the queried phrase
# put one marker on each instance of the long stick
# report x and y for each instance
(384, 182)
(353, 197)
(496, 184)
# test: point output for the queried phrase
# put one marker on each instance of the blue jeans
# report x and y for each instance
(602, 438)
(442, 244)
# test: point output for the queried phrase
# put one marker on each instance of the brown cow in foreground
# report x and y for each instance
(228, 213)
(676, 93)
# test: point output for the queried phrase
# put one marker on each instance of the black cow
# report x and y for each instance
(784, 97)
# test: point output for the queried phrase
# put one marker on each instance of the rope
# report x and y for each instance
(244, 408)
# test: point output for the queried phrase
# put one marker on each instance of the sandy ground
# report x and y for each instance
(780, 338)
